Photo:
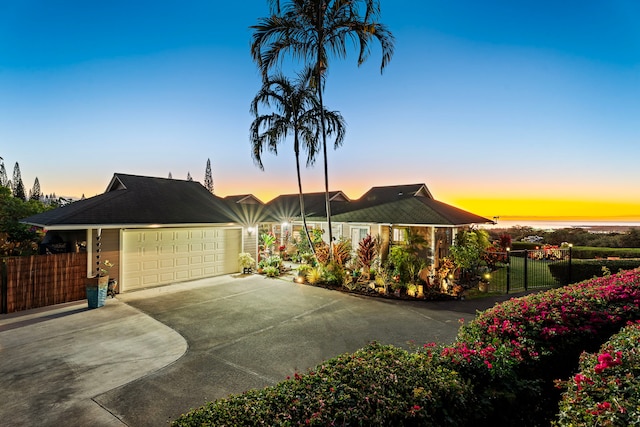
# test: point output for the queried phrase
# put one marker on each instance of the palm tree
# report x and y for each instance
(296, 110)
(313, 30)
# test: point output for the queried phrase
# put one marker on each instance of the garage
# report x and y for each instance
(153, 257)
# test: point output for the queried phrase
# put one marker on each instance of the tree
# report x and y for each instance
(18, 186)
(296, 110)
(170, 176)
(189, 176)
(35, 191)
(4, 179)
(208, 179)
(17, 238)
(313, 30)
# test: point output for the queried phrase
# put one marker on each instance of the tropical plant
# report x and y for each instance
(468, 249)
(246, 260)
(296, 110)
(271, 271)
(366, 254)
(267, 240)
(313, 30)
(314, 275)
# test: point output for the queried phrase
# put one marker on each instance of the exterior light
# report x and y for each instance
(250, 230)
(487, 276)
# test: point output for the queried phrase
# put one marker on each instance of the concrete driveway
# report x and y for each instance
(149, 356)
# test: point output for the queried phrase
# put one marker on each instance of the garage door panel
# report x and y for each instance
(150, 265)
(156, 257)
(167, 250)
(150, 280)
(167, 263)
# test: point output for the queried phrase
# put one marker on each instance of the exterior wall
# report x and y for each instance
(443, 241)
(250, 242)
(386, 234)
(109, 250)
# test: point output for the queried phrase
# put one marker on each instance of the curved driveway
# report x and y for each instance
(242, 332)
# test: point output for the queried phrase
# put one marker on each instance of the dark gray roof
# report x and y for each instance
(140, 200)
(132, 200)
(412, 210)
(244, 198)
(287, 206)
(390, 193)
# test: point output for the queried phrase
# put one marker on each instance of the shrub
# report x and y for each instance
(333, 274)
(367, 252)
(272, 261)
(590, 252)
(588, 269)
(514, 351)
(606, 391)
(314, 275)
(271, 271)
(375, 386)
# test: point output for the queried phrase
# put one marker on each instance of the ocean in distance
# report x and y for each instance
(555, 225)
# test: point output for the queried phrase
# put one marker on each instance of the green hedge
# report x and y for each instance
(375, 386)
(591, 252)
(588, 269)
(606, 391)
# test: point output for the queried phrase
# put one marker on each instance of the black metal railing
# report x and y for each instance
(523, 270)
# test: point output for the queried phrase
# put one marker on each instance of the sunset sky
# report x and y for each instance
(525, 109)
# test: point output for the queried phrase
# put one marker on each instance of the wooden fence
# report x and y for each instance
(41, 280)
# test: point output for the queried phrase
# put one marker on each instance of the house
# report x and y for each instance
(385, 212)
(156, 231)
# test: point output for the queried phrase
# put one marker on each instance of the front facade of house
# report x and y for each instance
(154, 231)
(386, 213)
(157, 231)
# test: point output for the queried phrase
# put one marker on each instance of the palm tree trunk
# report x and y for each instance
(319, 66)
(302, 212)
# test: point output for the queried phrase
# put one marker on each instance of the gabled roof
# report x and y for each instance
(412, 210)
(390, 193)
(245, 199)
(287, 206)
(141, 201)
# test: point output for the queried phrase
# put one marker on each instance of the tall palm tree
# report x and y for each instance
(313, 30)
(296, 110)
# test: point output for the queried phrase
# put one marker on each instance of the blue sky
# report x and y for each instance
(503, 108)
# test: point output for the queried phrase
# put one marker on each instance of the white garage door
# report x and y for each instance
(167, 255)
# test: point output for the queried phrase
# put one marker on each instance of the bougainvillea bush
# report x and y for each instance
(514, 351)
(606, 391)
(375, 386)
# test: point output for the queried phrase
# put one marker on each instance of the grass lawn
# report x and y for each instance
(538, 275)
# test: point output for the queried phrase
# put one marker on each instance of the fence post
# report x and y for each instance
(508, 269)
(569, 266)
(3, 286)
(526, 274)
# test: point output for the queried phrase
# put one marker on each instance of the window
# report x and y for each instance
(400, 235)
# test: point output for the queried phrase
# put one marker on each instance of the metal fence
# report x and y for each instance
(522, 270)
(41, 280)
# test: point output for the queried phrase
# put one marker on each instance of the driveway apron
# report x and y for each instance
(149, 356)
(250, 332)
